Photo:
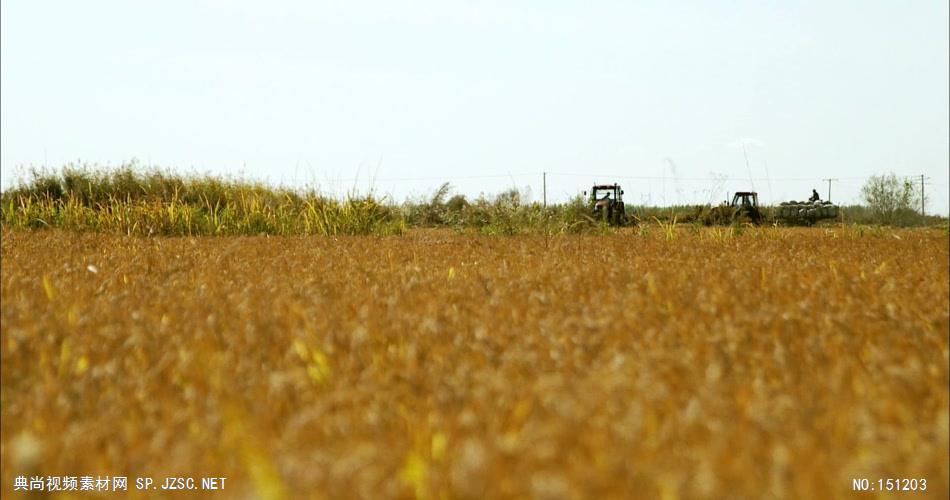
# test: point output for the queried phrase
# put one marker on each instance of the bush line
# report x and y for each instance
(133, 201)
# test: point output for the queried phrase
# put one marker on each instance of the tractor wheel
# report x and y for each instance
(740, 216)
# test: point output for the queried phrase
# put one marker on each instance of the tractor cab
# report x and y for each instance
(606, 193)
(745, 207)
(606, 202)
(745, 199)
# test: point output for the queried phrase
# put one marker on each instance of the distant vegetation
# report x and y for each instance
(131, 200)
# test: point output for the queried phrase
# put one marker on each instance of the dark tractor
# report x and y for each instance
(606, 204)
(744, 208)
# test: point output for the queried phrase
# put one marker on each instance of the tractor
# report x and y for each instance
(744, 208)
(606, 204)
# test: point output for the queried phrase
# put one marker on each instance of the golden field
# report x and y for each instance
(671, 362)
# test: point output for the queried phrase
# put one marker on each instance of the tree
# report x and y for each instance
(890, 198)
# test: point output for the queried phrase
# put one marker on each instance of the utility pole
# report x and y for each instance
(544, 189)
(829, 187)
(921, 195)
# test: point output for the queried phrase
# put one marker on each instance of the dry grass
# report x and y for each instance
(672, 363)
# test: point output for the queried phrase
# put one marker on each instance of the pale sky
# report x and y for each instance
(659, 96)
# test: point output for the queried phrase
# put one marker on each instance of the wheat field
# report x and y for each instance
(670, 362)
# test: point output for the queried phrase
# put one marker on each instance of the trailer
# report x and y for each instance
(805, 213)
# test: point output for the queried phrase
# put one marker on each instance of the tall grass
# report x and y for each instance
(861, 214)
(131, 201)
(504, 214)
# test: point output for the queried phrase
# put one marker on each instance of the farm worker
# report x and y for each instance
(814, 196)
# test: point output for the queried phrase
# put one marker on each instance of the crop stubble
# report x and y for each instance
(776, 362)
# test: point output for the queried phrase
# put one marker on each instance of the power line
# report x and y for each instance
(545, 174)
(455, 177)
(655, 178)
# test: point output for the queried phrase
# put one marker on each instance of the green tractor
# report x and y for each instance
(744, 208)
(606, 204)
